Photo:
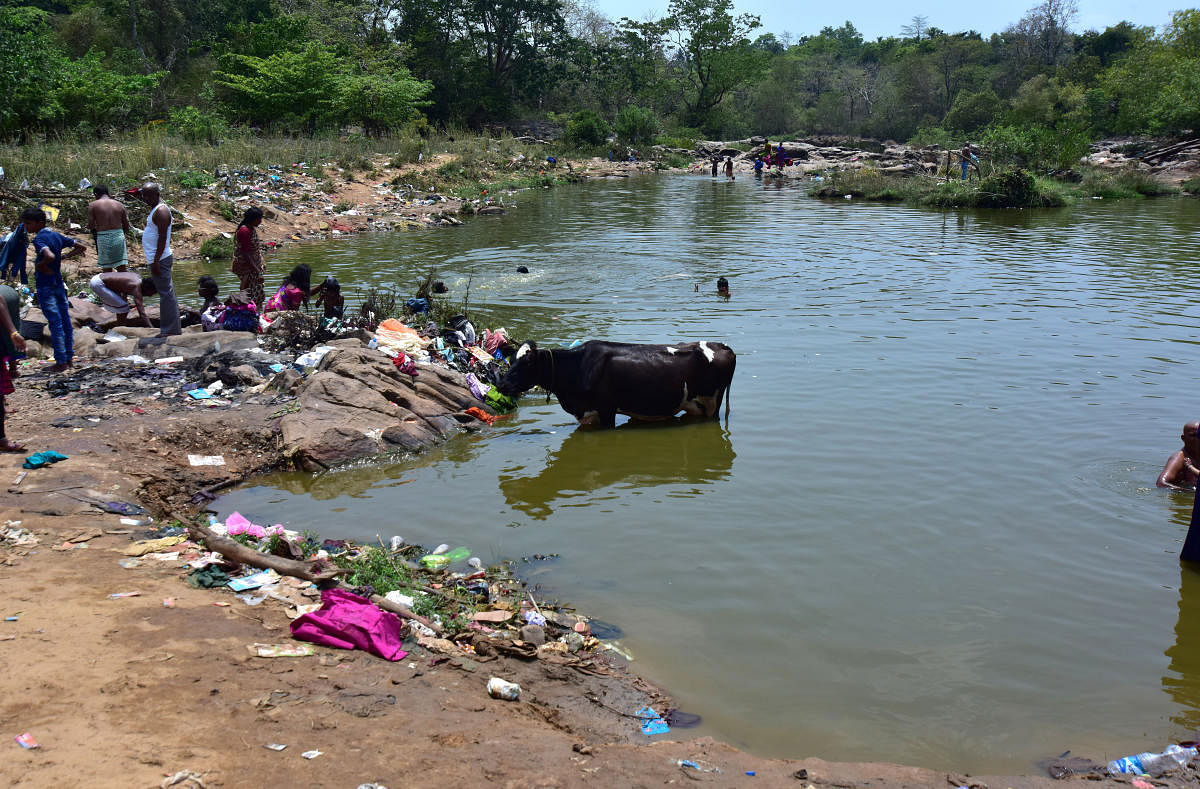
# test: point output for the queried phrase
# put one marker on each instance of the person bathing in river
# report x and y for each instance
(294, 291)
(715, 162)
(723, 287)
(331, 297)
(729, 167)
(1183, 468)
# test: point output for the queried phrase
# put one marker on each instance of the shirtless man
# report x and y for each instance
(109, 223)
(1183, 467)
(111, 287)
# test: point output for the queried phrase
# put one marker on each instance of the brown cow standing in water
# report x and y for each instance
(598, 380)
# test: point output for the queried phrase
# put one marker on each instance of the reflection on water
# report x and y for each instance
(1183, 681)
(631, 456)
(940, 542)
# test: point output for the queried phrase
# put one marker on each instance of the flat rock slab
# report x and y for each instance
(358, 405)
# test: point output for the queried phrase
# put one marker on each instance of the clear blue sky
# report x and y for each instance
(875, 18)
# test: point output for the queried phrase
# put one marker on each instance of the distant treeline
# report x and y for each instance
(212, 68)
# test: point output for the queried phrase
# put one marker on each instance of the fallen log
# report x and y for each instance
(315, 571)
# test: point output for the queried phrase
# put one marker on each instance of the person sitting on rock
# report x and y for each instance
(210, 311)
(240, 313)
(1183, 468)
(111, 287)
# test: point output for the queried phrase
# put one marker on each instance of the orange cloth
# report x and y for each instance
(483, 416)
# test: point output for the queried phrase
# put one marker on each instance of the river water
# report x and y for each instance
(928, 532)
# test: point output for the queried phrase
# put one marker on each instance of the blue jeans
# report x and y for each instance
(965, 167)
(52, 299)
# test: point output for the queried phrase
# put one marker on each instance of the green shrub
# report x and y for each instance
(190, 179)
(227, 209)
(1007, 189)
(1191, 186)
(635, 125)
(218, 248)
(586, 127)
(195, 125)
(342, 205)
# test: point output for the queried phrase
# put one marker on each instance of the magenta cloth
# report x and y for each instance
(493, 340)
(347, 621)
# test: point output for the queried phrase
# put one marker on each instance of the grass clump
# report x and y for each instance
(1004, 189)
(217, 247)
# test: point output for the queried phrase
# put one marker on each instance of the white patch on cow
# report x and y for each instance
(708, 352)
(671, 350)
(524, 349)
(590, 418)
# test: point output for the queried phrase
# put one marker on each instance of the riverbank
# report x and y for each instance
(308, 189)
(128, 691)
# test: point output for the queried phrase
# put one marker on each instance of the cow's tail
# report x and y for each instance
(728, 389)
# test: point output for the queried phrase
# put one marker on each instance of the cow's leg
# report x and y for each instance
(589, 419)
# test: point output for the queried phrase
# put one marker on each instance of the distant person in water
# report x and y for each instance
(723, 287)
(716, 160)
(729, 166)
(1183, 467)
(758, 165)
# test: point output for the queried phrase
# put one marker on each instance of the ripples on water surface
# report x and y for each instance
(929, 531)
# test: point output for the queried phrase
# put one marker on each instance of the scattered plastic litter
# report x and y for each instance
(13, 618)
(280, 650)
(275, 746)
(119, 595)
(168, 602)
(206, 460)
(311, 754)
(439, 559)
(503, 689)
(199, 394)
(27, 742)
(651, 722)
(129, 564)
(40, 459)
(252, 581)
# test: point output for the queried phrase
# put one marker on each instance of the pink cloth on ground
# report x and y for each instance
(347, 621)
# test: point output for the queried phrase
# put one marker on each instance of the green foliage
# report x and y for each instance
(375, 567)
(217, 248)
(1007, 189)
(1191, 186)
(295, 89)
(1036, 146)
(195, 125)
(973, 111)
(190, 179)
(227, 209)
(1124, 184)
(586, 127)
(635, 125)
(716, 53)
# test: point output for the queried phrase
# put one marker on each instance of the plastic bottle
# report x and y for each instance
(436, 561)
(1174, 757)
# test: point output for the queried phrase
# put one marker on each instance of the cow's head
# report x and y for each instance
(523, 374)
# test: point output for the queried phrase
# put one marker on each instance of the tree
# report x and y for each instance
(714, 53)
(916, 27)
(29, 61)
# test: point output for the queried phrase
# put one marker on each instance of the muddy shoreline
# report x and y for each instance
(125, 691)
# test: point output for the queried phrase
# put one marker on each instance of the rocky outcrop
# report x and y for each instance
(358, 404)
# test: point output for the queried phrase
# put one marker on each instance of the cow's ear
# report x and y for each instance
(525, 348)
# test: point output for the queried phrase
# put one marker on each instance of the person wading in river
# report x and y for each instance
(1183, 467)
